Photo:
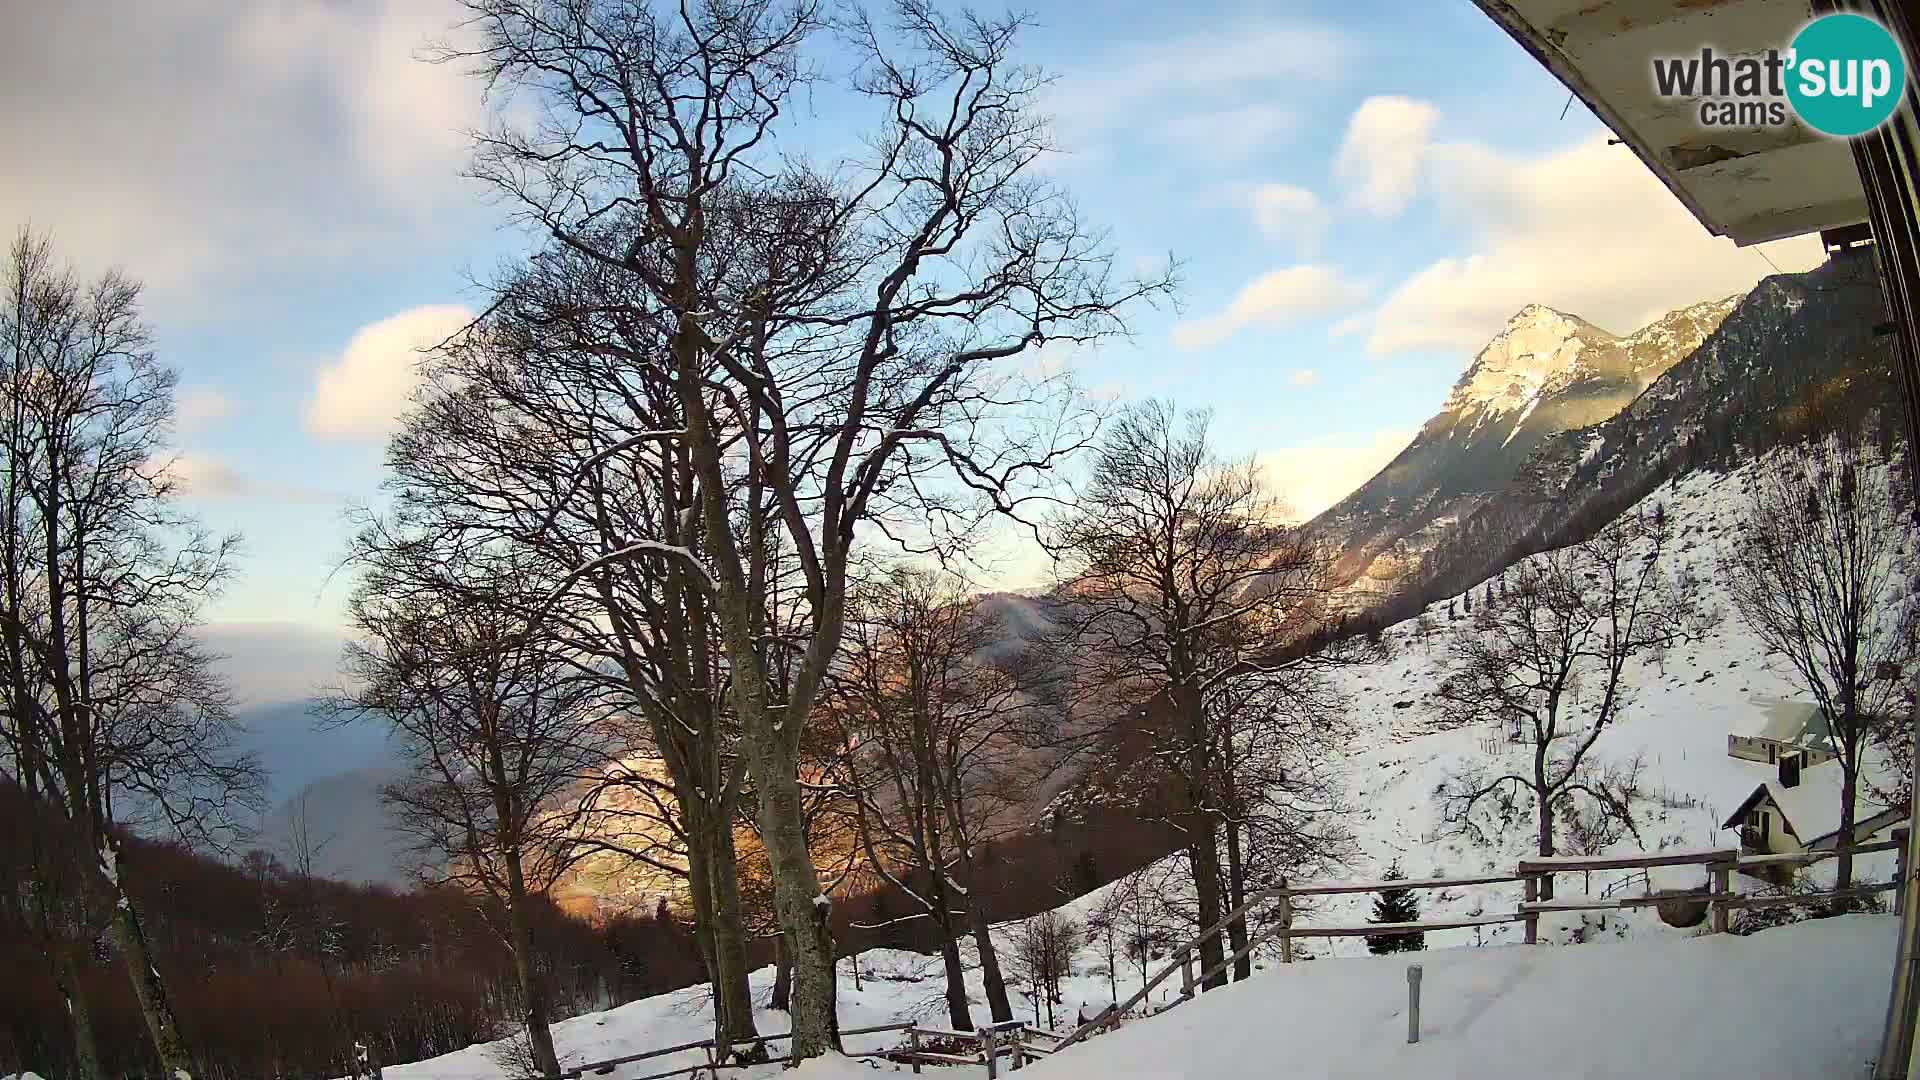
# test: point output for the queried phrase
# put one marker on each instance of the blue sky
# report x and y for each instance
(1360, 191)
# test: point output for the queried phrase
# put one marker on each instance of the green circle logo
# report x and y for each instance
(1846, 75)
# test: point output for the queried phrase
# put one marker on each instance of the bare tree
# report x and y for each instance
(833, 338)
(1547, 666)
(114, 716)
(1043, 951)
(541, 430)
(1182, 587)
(944, 744)
(1818, 572)
(497, 731)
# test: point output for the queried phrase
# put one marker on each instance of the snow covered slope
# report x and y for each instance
(1682, 711)
(1797, 1002)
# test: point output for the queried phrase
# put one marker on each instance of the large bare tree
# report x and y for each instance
(1818, 570)
(498, 731)
(834, 336)
(1548, 667)
(113, 714)
(1183, 588)
(948, 736)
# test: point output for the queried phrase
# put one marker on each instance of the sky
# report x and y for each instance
(1360, 192)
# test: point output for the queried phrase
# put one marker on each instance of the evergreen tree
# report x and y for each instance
(1466, 599)
(1395, 906)
(1086, 872)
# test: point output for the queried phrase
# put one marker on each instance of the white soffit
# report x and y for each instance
(1750, 184)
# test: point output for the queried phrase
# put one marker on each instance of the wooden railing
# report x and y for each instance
(1015, 1041)
(1533, 874)
(1019, 1042)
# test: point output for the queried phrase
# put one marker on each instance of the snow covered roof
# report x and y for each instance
(1786, 721)
(1812, 806)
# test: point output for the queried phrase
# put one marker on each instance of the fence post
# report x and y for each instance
(1186, 973)
(1722, 884)
(1532, 918)
(1413, 1003)
(990, 1053)
(1286, 923)
(913, 1041)
(1019, 1045)
(1900, 872)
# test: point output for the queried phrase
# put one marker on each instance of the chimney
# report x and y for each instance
(1789, 770)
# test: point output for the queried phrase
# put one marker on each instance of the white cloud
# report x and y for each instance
(1290, 214)
(1303, 377)
(1314, 475)
(1211, 94)
(1586, 229)
(361, 394)
(197, 407)
(204, 477)
(243, 137)
(1380, 158)
(1228, 133)
(1272, 300)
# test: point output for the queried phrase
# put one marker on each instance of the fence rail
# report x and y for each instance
(1014, 1041)
(1020, 1043)
(1535, 875)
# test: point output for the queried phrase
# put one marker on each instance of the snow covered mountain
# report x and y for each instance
(1545, 373)
(1558, 426)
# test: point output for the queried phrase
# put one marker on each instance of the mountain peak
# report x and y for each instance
(1538, 346)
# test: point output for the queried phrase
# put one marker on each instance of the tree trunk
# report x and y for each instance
(802, 910)
(734, 1024)
(537, 1013)
(998, 1002)
(1237, 895)
(1203, 830)
(957, 1012)
(1546, 839)
(86, 1048)
(1843, 872)
(1204, 852)
(782, 975)
(131, 939)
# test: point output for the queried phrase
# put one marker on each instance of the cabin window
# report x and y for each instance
(1773, 753)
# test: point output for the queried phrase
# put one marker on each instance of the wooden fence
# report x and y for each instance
(1532, 874)
(1014, 1042)
(1018, 1042)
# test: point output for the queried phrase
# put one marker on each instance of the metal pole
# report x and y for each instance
(1413, 1003)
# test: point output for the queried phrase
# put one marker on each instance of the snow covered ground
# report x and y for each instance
(1801, 1000)
(1797, 1001)
(1682, 711)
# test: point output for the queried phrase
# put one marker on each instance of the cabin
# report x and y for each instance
(1785, 727)
(1798, 809)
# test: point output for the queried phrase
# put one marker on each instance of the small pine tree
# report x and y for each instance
(1395, 906)
(1467, 599)
(1489, 596)
(1086, 872)
(1450, 614)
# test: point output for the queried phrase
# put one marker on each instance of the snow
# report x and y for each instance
(1801, 1001)
(1683, 707)
(1813, 805)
